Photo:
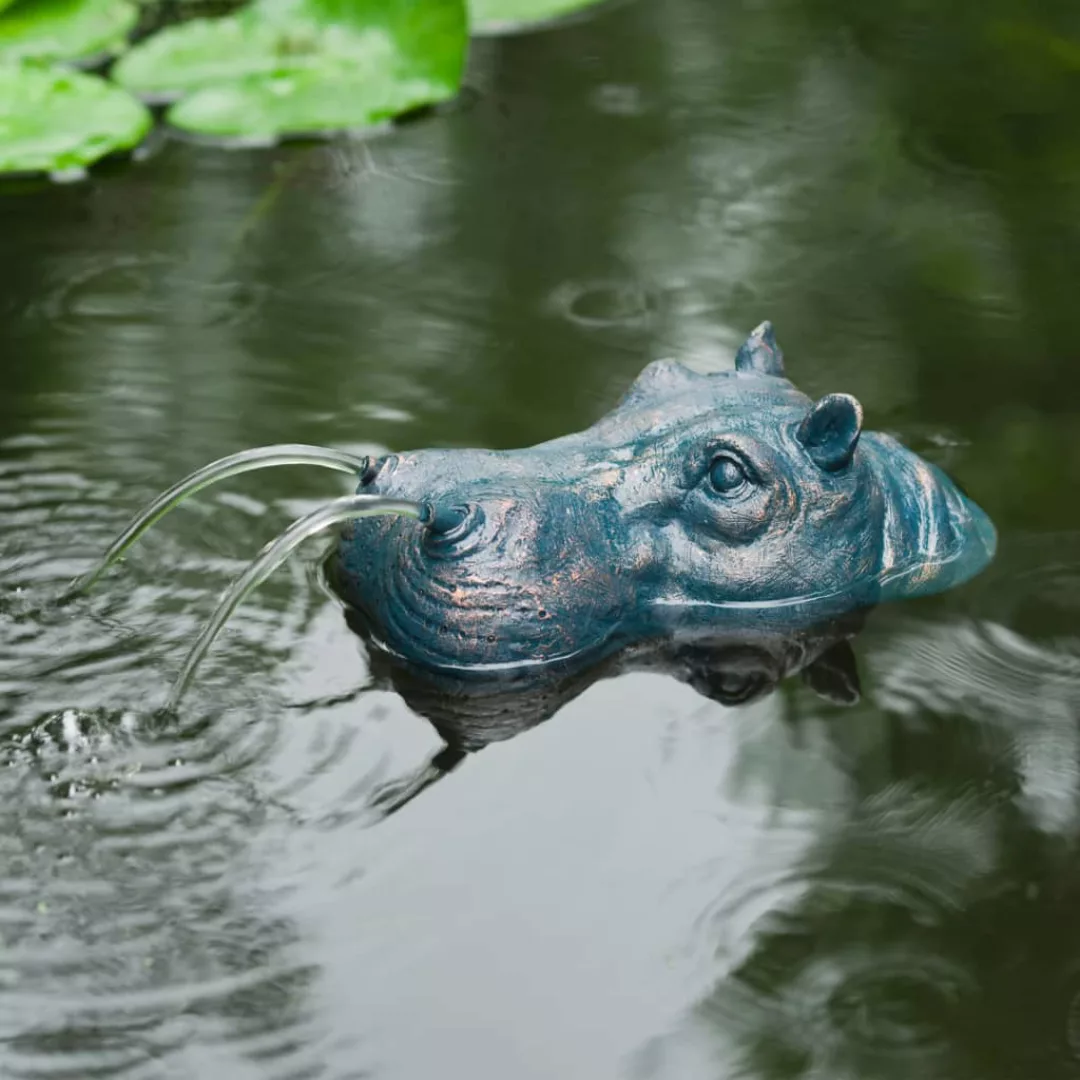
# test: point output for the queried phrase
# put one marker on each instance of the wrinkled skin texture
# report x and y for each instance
(701, 502)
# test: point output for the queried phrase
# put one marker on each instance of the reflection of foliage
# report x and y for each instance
(868, 975)
(931, 970)
(986, 93)
(934, 933)
(921, 198)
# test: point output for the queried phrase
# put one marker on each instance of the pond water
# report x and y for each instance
(648, 885)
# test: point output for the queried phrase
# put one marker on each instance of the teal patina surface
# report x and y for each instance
(701, 502)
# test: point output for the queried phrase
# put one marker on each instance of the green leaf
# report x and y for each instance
(297, 102)
(298, 66)
(201, 53)
(65, 29)
(498, 16)
(54, 119)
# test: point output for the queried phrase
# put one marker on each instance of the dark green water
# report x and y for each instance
(649, 885)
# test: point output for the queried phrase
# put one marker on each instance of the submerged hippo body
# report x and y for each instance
(700, 502)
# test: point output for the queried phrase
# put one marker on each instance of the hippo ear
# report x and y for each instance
(760, 354)
(830, 430)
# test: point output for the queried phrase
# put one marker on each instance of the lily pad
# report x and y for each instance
(298, 102)
(55, 120)
(65, 29)
(299, 66)
(501, 16)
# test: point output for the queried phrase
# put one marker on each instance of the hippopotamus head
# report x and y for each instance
(699, 501)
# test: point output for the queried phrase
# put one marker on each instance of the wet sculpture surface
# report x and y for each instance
(701, 503)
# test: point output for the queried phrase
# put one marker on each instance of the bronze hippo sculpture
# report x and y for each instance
(701, 506)
(701, 503)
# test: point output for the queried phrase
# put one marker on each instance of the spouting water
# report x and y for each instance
(274, 554)
(263, 457)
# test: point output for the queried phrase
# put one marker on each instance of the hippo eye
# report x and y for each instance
(727, 475)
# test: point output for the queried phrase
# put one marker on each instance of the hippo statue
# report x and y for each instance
(701, 504)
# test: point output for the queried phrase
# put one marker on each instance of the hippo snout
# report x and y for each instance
(449, 521)
(507, 568)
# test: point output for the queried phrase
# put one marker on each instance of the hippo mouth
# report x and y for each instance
(447, 621)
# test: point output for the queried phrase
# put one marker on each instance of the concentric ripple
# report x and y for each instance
(142, 932)
(126, 290)
(847, 968)
(853, 1011)
(126, 899)
(1019, 696)
(604, 303)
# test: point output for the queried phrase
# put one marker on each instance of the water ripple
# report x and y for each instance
(603, 303)
(127, 893)
(1018, 696)
(143, 289)
(140, 924)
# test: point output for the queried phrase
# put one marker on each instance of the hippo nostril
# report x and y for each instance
(369, 471)
(448, 525)
(443, 520)
(374, 467)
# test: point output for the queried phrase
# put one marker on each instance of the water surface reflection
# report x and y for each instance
(651, 882)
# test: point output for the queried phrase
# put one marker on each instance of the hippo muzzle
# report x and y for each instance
(519, 564)
(700, 502)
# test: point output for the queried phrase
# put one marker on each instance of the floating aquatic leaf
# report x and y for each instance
(206, 52)
(499, 16)
(298, 66)
(55, 120)
(298, 102)
(65, 29)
